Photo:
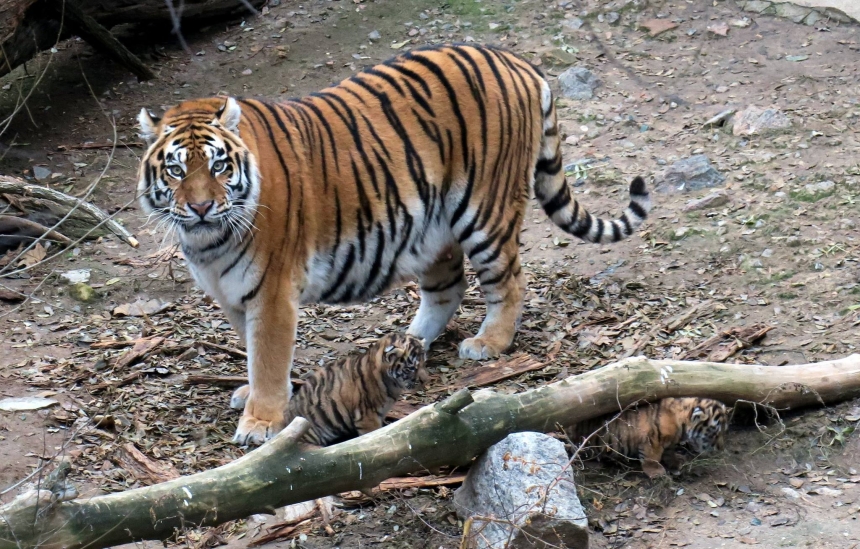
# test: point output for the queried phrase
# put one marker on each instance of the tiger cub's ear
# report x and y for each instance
(698, 414)
(391, 354)
(229, 115)
(148, 126)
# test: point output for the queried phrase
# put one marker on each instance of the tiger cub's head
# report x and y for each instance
(706, 425)
(401, 356)
(197, 174)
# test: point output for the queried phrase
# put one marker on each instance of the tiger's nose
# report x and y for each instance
(202, 208)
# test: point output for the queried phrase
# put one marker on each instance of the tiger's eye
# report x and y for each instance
(218, 166)
(175, 171)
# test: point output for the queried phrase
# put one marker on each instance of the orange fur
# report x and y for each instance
(400, 171)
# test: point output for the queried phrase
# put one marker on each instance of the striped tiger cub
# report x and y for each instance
(650, 433)
(401, 171)
(350, 396)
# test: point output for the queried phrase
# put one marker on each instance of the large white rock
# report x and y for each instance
(524, 484)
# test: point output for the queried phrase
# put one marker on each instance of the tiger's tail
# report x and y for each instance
(553, 193)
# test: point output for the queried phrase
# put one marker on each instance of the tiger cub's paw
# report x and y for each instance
(255, 431)
(476, 348)
(240, 397)
(653, 468)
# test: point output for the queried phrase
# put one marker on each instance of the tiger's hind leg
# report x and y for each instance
(443, 286)
(496, 260)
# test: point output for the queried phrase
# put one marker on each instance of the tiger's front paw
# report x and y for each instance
(477, 348)
(240, 397)
(254, 431)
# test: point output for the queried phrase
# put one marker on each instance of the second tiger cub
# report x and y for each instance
(651, 432)
(350, 397)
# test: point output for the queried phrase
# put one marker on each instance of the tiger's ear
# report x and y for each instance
(229, 115)
(148, 126)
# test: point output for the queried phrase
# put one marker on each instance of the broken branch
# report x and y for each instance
(280, 473)
(12, 185)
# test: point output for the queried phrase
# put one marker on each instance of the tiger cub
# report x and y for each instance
(647, 432)
(350, 396)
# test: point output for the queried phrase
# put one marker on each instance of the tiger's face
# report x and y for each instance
(403, 356)
(197, 175)
(706, 431)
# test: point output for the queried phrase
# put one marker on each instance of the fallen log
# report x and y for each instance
(13, 186)
(30, 26)
(449, 433)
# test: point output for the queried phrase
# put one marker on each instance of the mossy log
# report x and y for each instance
(452, 432)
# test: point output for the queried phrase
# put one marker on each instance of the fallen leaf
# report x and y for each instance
(141, 308)
(23, 404)
(32, 256)
(658, 26)
(719, 28)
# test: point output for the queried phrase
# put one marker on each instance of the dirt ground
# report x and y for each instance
(778, 254)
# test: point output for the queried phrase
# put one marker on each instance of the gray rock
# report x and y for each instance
(612, 17)
(791, 11)
(713, 200)
(523, 480)
(41, 173)
(755, 120)
(757, 6)
(821, 187)
(374, 35)
(578, 83)
(691, 174)
(813, 18)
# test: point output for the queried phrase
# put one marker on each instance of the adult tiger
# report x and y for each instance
(398, 171)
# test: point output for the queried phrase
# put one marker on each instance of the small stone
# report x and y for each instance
(41, 173)
(576, 23)
(374, 35)
(847, 224)
(767, 252)
(691, 174)
(722, 89)
(493, 26)
(681, 232)
(75, 276)
(821, 187)
(523, 479)
(713, 200)
(755, 120)
(82, 292)
(572, 139)
(578, 83)
(246, 72)
(612, 17)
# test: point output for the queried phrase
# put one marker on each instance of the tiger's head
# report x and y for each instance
(197, 174)
(402, 357)
(706, 426)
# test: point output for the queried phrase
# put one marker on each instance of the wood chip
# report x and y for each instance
(488, 374)
(282, 533)
(142, 468)
(429, 481)
(723, 345)
(9, 296)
